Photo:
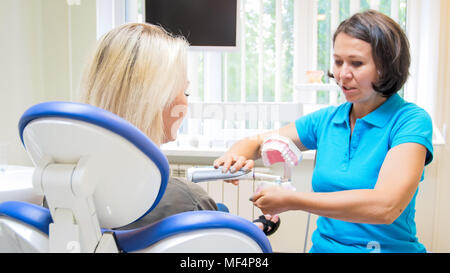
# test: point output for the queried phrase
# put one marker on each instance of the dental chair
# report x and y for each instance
(98, 173)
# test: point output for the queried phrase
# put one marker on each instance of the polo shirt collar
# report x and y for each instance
(343, 114)
(379, 117)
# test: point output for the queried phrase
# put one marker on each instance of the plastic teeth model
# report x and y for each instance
(279, 149)
(275, 149)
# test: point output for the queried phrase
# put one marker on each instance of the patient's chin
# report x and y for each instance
(169, 138)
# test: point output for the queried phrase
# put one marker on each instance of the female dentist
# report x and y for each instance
(370, 151)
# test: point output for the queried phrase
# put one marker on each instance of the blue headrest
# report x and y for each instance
(107, 120)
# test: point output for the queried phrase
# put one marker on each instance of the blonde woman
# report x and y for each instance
(139, 73)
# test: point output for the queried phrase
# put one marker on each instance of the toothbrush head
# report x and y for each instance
(280, 149)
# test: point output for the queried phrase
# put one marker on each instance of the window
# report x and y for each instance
(263, 84)
(113, 13)
(280, 41)
(331, 13)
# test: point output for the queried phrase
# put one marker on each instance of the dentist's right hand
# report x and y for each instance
(233, 163)
(243, 153)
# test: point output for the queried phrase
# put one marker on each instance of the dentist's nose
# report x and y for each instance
(344, 74)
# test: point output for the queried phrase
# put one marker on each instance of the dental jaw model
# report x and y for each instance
(279, 149)
(275, 149)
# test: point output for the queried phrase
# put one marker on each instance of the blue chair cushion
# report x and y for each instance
(222, 207)
(33, 215)
(137, 239)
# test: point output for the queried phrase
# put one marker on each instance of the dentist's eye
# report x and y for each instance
(356, 64)
(338, 63)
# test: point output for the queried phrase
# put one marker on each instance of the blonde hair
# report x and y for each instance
(135, 73)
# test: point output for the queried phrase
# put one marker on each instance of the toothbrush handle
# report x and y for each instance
(209, 174)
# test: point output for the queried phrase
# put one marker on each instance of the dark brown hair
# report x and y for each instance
(390, 48)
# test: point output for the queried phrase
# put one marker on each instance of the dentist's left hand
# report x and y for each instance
(273, 200)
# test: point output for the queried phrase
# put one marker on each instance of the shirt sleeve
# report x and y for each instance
(308, 127)
(415, 126)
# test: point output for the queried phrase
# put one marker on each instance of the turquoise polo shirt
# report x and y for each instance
(345, 162)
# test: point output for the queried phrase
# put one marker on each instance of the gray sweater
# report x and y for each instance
(179, 197)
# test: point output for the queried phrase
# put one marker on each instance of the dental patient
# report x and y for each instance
(139, 72)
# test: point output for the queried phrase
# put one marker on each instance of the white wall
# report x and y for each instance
(21, 76)
(441, 224)
(41, 59)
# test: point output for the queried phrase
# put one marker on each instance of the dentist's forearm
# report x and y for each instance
(359, 206)
(248, 147)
